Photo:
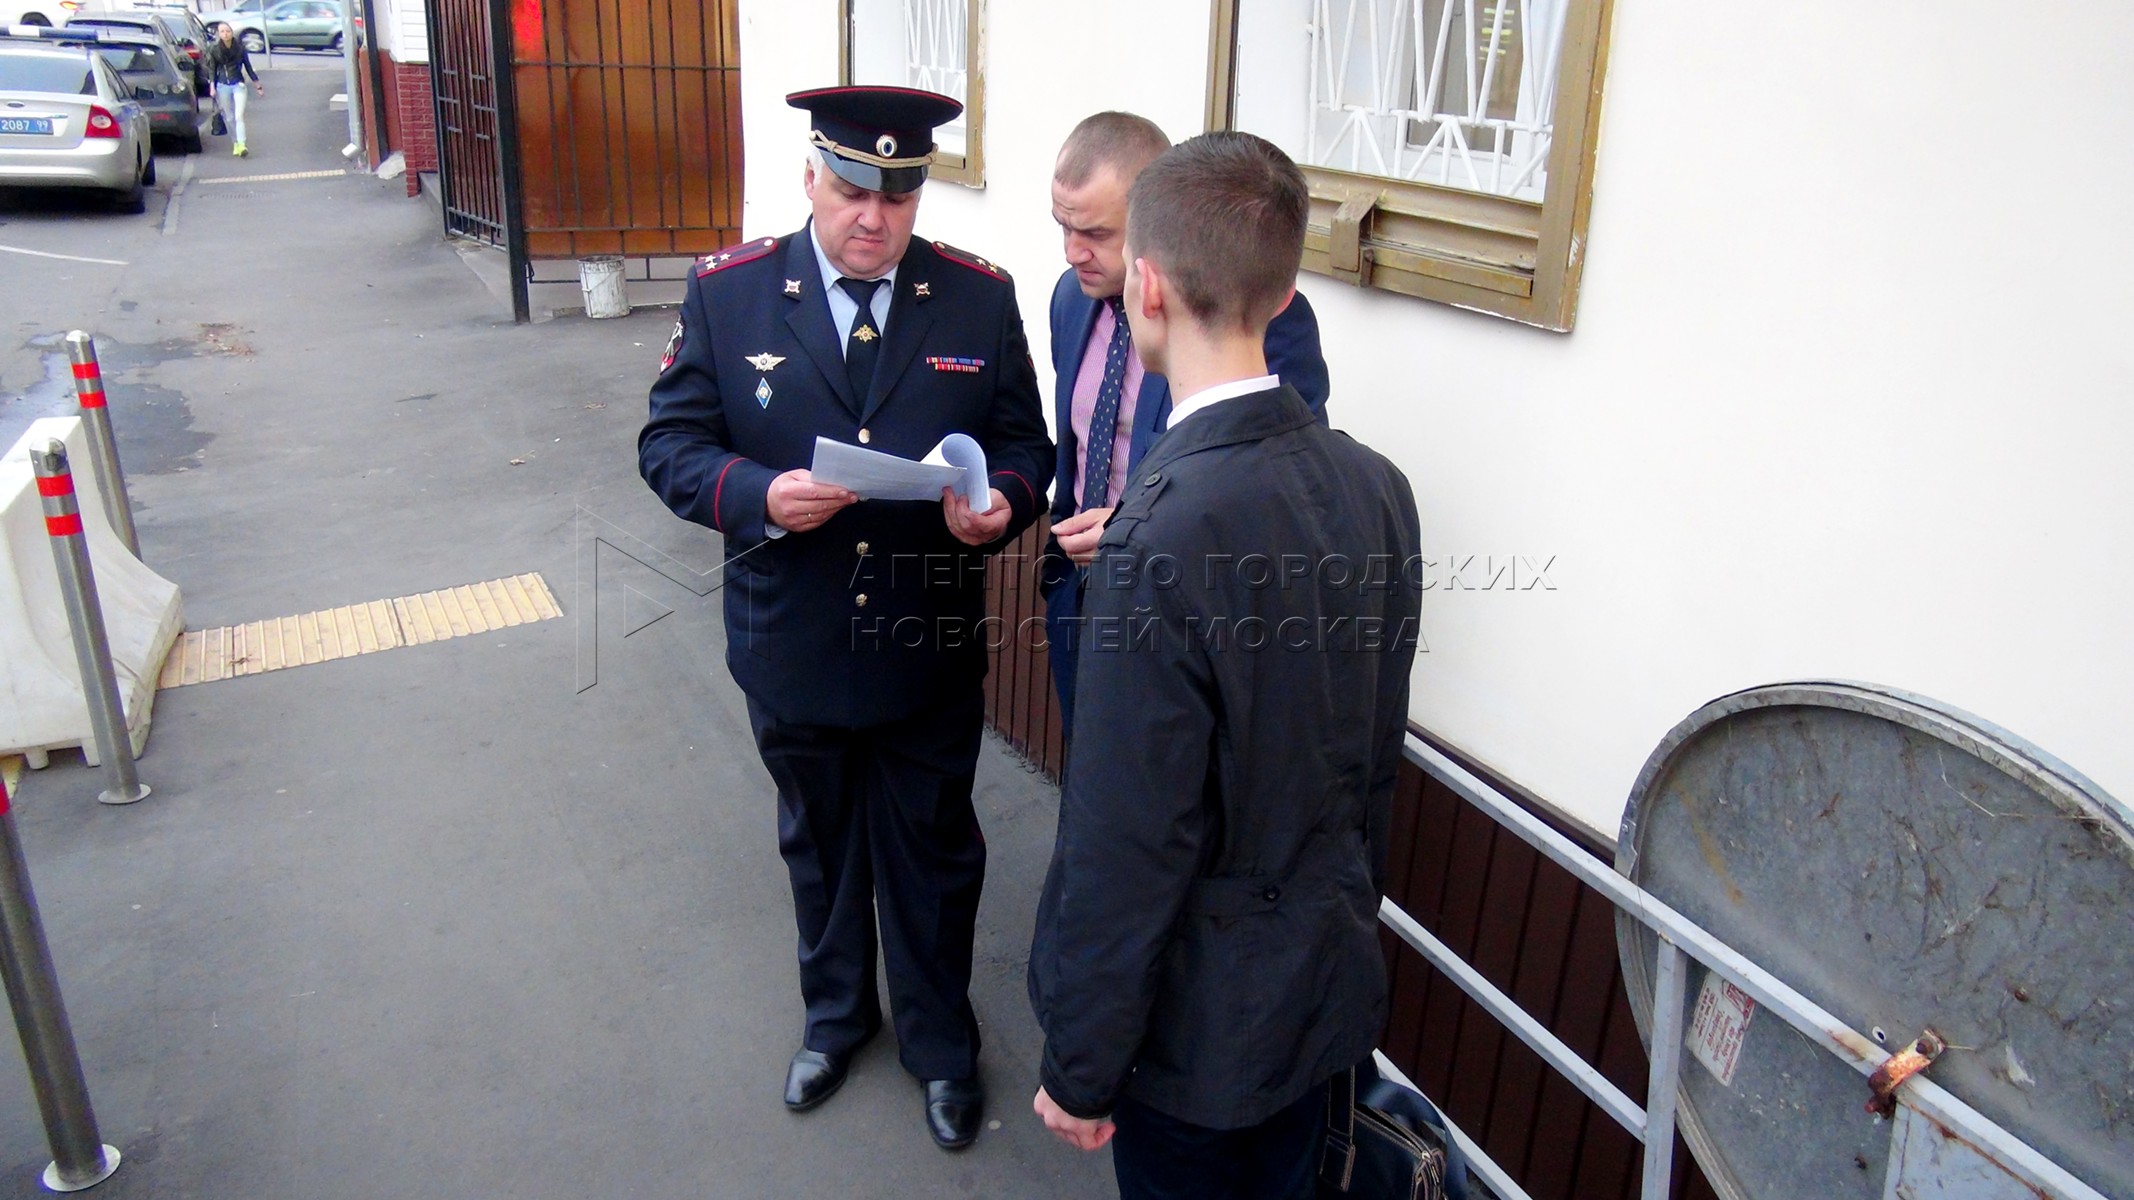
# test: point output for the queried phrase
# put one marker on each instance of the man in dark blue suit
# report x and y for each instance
(854, 629)
(1109, 408)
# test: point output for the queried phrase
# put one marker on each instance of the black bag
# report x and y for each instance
(1386, 1142)
(220, 128)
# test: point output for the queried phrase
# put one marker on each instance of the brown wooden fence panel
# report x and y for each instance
(1021, 705)
(629, 125)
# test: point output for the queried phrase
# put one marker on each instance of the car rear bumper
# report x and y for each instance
(175, 120)
(101, 167)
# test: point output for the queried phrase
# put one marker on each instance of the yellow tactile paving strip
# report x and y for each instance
(271, 178)
(206, 655)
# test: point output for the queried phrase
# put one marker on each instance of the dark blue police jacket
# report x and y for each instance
(876, 614)
(1292, 353)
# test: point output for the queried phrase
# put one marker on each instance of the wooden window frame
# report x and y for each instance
(967, 168)
(1493, 254)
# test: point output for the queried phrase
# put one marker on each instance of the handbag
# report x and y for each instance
(220, 128)
(1385, 1141)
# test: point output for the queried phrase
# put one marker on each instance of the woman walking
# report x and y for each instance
(228, 64)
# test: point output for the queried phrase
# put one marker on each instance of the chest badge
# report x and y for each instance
(765, 361)
(763, 393)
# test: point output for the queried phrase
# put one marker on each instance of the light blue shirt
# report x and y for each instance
(842, 307)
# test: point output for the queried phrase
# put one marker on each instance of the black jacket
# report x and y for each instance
(876, 614)
(1207, 939)
(229, 64)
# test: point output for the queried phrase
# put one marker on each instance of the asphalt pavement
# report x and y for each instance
(496, 916)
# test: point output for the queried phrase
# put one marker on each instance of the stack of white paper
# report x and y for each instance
(957, 462)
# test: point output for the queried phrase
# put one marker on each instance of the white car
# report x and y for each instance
(38, 12)
(67, 121)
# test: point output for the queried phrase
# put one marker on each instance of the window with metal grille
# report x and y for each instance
(1449, 143)
(930, 44)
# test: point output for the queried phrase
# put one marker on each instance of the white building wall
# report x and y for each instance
(407, 31)
(1851, 393)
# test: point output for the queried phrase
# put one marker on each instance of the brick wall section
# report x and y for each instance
(417, 118)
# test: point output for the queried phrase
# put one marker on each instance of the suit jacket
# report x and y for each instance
(1207, 937)
(874, 614)
(1292, 353)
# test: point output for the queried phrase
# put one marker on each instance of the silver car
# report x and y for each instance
(67, 121)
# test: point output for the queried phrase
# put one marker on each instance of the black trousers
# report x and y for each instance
(876, 827)
(1159, 1157)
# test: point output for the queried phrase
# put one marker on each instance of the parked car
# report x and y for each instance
(144, 23)
(32, 12)
(163, 87)
(192, 37)
(288, 25)
(68, 121)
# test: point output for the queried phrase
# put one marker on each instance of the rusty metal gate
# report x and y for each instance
(569, 128)
(477, 131)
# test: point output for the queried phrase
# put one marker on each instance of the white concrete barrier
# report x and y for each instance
(42, 704)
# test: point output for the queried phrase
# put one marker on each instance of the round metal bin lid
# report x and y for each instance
(1907, 867)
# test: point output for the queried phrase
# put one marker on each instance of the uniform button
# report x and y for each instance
(1151, 481)
(865, 437)
(1272, 894)
(860, 599)
(862, 547)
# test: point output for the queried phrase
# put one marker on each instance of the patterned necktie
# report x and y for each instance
(865, 345)
(1104, 419)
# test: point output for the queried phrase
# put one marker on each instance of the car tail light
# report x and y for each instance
(101, 124)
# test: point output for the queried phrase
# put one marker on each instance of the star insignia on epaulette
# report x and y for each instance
(764, 361)
(864, 333)
(922, 289)
(792, 287)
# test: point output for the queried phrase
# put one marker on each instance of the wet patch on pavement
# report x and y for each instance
(154, 423)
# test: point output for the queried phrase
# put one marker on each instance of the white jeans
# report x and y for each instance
(230, 101)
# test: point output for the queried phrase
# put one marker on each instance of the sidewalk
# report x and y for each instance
(433, 921)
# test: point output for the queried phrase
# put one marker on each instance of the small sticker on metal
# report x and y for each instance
(1719, 1027)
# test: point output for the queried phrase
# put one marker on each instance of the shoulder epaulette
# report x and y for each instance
(971, 260)
(734, 255)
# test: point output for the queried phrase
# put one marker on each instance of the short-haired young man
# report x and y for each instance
(1206, 954)
(1108, 405)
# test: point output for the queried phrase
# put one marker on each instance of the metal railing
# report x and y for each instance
(1679, 940)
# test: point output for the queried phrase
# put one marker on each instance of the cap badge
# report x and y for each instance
(885, 146)
(792, 287)
(764, 361)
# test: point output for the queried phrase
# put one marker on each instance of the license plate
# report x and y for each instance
(26, 125)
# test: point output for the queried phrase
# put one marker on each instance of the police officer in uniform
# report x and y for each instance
(853, 627)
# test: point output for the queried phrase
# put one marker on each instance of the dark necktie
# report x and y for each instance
(1104, 419)
(865, 344)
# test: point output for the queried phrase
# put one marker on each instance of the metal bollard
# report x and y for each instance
(92, 649)
(80, 1159)
(103, 446)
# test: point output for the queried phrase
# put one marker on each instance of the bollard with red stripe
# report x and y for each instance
(85, 616)
(103, 444)
(80, 1159)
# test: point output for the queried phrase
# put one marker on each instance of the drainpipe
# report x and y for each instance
(348, 79)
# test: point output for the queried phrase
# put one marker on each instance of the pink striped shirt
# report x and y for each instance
(1085, 405)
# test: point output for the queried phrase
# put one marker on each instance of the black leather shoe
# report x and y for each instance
(813, 1078)
(953, 1107)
